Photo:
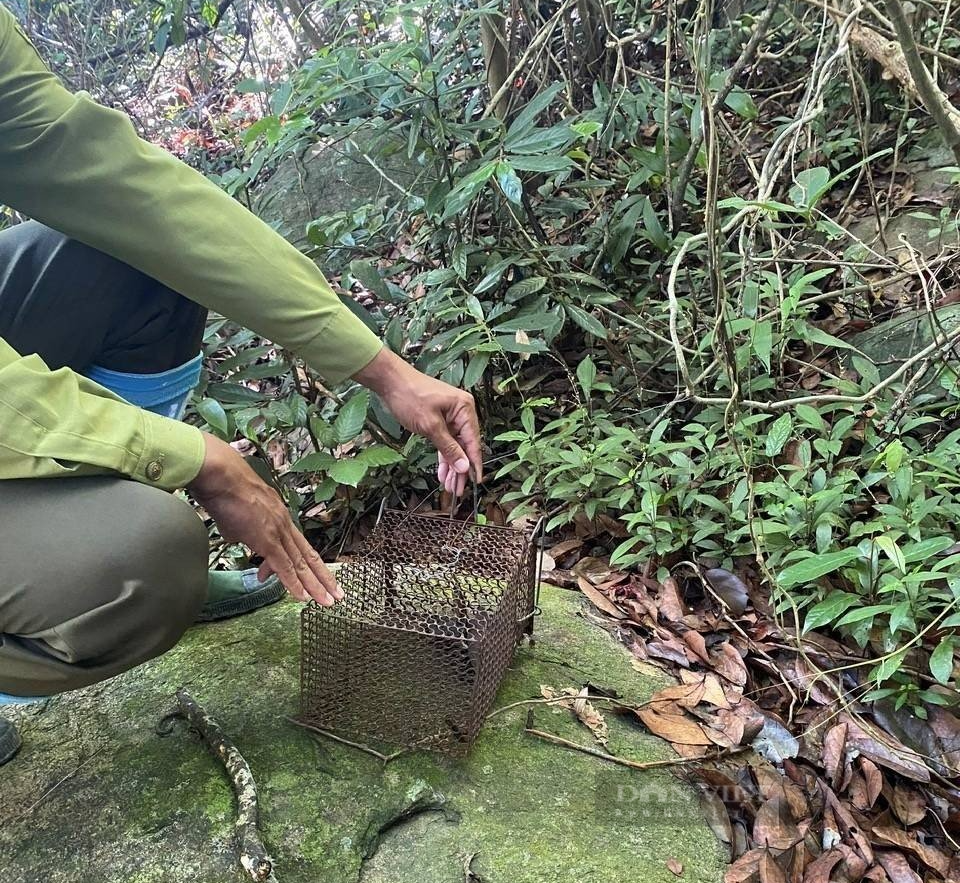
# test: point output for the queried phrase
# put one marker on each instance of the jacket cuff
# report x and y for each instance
(172, 453)
(342, 348)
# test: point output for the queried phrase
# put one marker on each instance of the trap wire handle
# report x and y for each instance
(536, 545)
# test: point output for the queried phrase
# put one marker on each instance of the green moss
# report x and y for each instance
(531, 812)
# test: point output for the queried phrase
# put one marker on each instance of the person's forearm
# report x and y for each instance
(80, 168)
(386, 372)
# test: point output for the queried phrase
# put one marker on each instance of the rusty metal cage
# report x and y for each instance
(415, 652)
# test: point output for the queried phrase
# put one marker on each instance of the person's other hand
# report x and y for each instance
(439, 412)
(249, 511)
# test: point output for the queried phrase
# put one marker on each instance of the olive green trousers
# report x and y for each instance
(97, 575)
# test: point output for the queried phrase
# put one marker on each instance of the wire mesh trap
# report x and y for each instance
(415, 652)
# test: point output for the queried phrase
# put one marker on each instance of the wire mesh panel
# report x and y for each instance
(416, 650)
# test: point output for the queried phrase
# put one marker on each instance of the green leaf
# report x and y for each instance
(586, 128)
(941, 660)
(325, 490)
(812, 334)
(893, 455)
(379, 455)
(351, 417)
(866, 369)
(234, 393)
(810, 569)
(653, 227)
(369, 277)
(888, 667)
(811, 184)
(349, 472)
(892, 551)
(509, 183)
(587, 375)
(319, 461)
(527, 118)
(540, 163)
(762, 342)
(325, 433)
(525, 287)
(741, 103)
(478, 364)
(298, 410)
(463, 194)
(778, 434)
(829, 609)
(212, 411)
(361, 312)
(541, 140)
(474, 307)
(459, 260)
(587, 322)
(624, 232)
(863, 613)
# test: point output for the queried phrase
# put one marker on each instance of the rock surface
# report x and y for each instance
(328, 179)
(96, 796)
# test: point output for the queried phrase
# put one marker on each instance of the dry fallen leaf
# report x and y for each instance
(728, 663)
(896, 866)
(770, 871)
(685, 695)
(871, 742)
(874, 779)
(712, 691)
(933, 858)
(674, 867)
(599, 600)
(578, 703)
(675, 727)
(907, 804)
(746, 868)
(819, 870)
(671, 605)
(833, 752)
(774, 827)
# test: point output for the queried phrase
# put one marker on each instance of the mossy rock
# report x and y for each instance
(890, 343)
(97, 795)
(329, 178)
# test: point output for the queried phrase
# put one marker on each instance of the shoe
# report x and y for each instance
(233, 593)
(9, 741)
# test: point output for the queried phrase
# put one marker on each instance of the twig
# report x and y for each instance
(383, 758)
(633, 764)
(746, 58)
(253, 855)
(541, 37)
(53, 788)
(933, 99)
(561, 699)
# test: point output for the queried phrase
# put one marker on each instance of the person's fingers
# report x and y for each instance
(442, 469)
(461, 483)
(303, 572)
(317, 567)
(448, 448)
(287, 574)
(466, 428)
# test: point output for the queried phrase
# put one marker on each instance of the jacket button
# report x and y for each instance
(154, 470)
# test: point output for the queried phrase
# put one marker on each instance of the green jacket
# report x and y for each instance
(80, 168)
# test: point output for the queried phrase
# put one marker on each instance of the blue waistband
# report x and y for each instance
(149, 389)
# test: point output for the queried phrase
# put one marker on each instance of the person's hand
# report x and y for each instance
(249, 511)
(431, 408)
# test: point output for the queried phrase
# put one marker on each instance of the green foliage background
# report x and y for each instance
(638, 338)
